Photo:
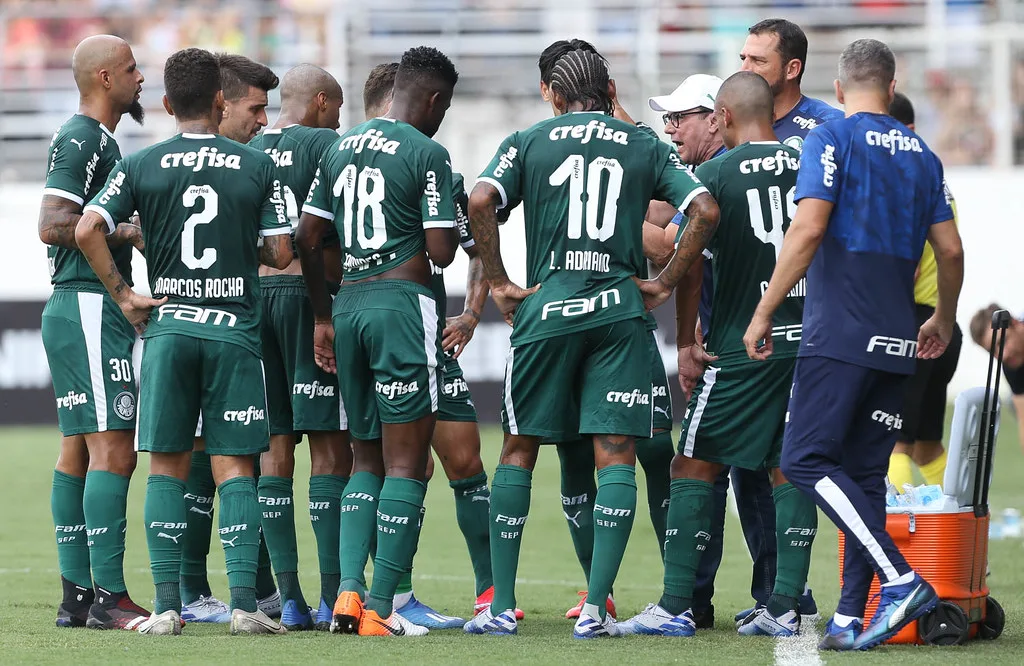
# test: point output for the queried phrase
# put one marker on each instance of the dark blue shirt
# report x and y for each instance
(792, 128)
(887, 189)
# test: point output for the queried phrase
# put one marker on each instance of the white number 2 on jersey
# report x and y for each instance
(780, 217)
(356, 204)
(188, 234)
(572, 170)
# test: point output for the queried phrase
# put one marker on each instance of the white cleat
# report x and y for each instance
(410, 628)
(590, 624)
(254, 623)
(271, 606)
(167, 623)
(206, 609)
(502, 624)
(656, 621)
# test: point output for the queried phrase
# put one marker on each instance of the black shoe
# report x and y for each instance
(113, 610)
(806, 604)
(705, 617)
(74, 610)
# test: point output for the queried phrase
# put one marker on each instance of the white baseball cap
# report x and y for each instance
(696, 91)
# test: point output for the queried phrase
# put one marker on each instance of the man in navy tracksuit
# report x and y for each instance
(869, 194)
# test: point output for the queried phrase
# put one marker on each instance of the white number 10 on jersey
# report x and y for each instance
(572, 170)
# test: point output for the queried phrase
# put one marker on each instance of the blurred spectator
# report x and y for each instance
(965, 135)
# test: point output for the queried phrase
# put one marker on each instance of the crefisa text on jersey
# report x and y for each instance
(229, 287)
(207, 156)
(594, 129)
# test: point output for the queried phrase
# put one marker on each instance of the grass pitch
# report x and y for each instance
(549, 579)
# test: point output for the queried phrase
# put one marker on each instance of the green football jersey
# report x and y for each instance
(754, 185)
(296, 150)
(204, 201)
(585, 180)
(382, 184)
(81, 156)
(461, 200)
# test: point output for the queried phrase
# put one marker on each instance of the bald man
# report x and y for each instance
(302, 398)
(89, 344)
(738, 409)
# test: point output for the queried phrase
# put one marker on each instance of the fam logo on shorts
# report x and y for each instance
(395, 389)
(246, 416)
(124, 405)
(634, 397)
(72, 400)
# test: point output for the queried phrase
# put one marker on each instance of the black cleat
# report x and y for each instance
(115, 610)
(74, 610)
(705, 618)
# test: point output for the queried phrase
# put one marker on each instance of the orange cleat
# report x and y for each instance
(371, 624)
(574, 612)
(483, 602)
(348, 612)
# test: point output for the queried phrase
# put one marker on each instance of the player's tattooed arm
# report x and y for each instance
(58, 220)
(703, 221)
(458, 331)
(309, 241)
(91, 237)
(483, 219)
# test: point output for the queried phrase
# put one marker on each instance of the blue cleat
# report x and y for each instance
(294, 619)
(840, 638)
(590, 625)
(656, 621)
(742, 616)
(900, 605)
(324, 616)
(206, 609)
(763, 623)
(419, 613)
(502, 624)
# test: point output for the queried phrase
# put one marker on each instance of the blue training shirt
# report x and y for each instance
(887, 189)
(792, 128)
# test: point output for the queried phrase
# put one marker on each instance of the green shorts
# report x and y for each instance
(587, 382)
(88, 345)
(182, 376)
(387, 348)
(737, 414)
(661, 396)
(300, 396)
(455, 403)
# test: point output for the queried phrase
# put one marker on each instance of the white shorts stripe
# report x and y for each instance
(510, 411)
(90, 310)
(140, 345)
(342, 414)
(698, 410)
(841, 504)
(428, 313)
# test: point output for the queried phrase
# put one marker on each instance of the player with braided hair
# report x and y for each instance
(571, 366)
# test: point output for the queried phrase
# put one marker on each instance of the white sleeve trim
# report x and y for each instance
(276, 231)
(707, 254)
(439, 224)
(319, 212)
(498, 186)
(690, 197)
(468, 244)
(102, 213)
(64, 194)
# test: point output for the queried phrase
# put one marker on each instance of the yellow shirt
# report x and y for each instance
(926, 288)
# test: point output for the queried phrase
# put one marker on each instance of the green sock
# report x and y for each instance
(104, 503)
(510, 505)
(69, 526)
(472, 511)
(199, 495)
(655, 456)
(325, 491)
(686, 539)
(405, 582)
(278, 525)
(358, 529)
(164, 513)
(398, 520)
(579, 489)
(614, 509)
(796, 523)
(239, 534)
(265, 585)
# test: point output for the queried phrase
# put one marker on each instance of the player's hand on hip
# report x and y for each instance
(136, 309)
(458, 331)
(323, 346)
(508, 295)
(933, 337)
(692, 360)
(654, 292)
(758, 338)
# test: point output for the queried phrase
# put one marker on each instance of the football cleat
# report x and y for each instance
(115, 611)
(418, 613)
(900, 605)
(206, 609)
(574, 612)
(840, 638)
(74, 610)
(371, 624)
(257, 622)
(348, 612)
(271, 606)
(483, 602)
(763, 623)
(167, 623)
(502, 624)
(591, 626)
(656, 621)
(323, 616)
(742, 616)
(294, 619)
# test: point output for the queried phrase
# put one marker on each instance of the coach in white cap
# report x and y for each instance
(689, 118)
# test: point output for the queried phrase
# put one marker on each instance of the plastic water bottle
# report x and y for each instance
(995, 529)
(932, 495)
(1011, 524)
